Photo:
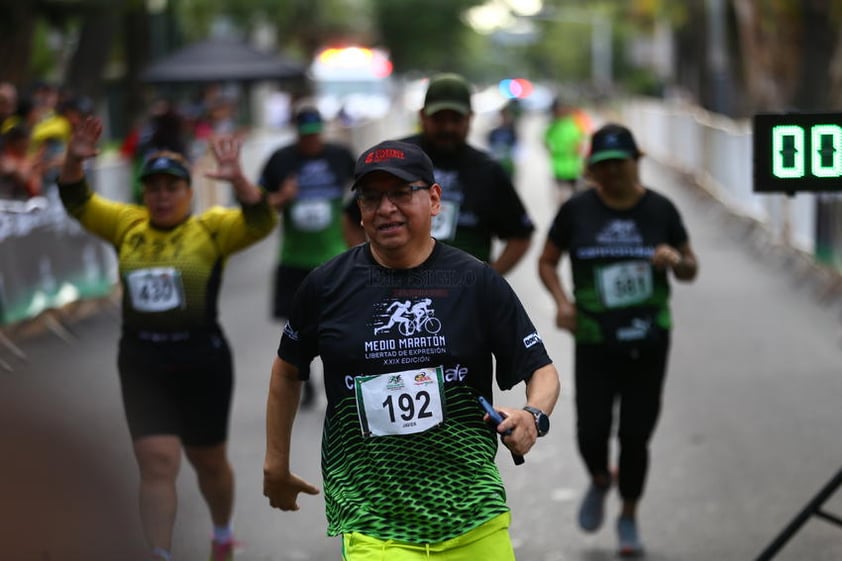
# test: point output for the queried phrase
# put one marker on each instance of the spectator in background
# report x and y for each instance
(44, 96)
(8, 107)
(215, 113)
(25, 113)
(20, 170)
(52, 132)
(307, 182)
(8, 100)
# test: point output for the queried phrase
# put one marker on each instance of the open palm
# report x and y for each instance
(83, 141)
(226, 152)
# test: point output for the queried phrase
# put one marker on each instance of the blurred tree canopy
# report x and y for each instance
(426, 35)
(771, 55)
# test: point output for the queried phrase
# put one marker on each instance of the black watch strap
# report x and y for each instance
(542, 421)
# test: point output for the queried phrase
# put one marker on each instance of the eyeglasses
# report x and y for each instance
(370, 200)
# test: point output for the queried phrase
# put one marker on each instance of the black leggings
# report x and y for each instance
(633, 378)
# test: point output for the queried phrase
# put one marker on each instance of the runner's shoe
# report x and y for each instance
(592, 510)
(159, 554)
(630, 545)
(223, 551)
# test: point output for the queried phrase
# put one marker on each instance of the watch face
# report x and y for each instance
(543, 423)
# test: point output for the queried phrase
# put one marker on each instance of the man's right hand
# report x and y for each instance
(282, 490)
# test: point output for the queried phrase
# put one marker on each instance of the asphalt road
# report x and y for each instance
(751, 426)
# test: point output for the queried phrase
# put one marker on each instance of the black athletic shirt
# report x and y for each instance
(441, 322)
(312, 226)
(621, 297)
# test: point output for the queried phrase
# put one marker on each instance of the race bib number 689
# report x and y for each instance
(399, 403)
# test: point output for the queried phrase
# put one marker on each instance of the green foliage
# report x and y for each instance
(43, 61)
(564, 53)
(301, 26)
(196, 16)
(642, 81)
(425, 35)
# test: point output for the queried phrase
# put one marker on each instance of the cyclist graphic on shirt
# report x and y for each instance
(411, 318)
(420, 311)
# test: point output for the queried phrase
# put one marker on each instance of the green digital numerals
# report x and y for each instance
(790, 157)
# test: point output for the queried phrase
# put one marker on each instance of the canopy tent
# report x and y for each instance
(221, 60)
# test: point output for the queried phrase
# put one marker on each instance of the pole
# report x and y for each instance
(717, 56)
(601, 55)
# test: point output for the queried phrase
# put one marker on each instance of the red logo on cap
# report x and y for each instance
(385, 154)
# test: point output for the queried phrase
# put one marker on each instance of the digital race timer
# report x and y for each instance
(797, 152)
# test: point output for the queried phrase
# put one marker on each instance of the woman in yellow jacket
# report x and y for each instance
(175, 364)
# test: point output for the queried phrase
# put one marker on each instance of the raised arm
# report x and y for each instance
(82, 145)
(226, 152)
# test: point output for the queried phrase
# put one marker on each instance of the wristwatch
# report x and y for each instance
(542, 421)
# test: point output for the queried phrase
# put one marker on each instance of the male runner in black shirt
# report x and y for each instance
(407, 457)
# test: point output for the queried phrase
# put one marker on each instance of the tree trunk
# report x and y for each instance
(87, 67)
(816, 55)
(136, 49)
(17, 27)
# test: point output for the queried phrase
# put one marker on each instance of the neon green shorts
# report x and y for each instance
(489, 541)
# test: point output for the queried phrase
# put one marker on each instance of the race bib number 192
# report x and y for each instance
(398, 403)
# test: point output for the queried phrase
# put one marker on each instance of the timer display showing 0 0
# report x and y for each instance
(789, 151)
(797, 152)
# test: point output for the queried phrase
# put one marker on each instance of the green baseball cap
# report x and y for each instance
(612, 142)
(448, 91)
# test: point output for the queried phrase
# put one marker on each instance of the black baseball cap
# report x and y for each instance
(309, 121)
(163, 163)
(612, 142)
(401, 159)
(448, 91)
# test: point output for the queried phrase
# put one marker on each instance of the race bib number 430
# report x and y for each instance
(157, 289)
(398, 403)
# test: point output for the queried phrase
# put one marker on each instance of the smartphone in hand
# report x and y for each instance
(496, 417)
